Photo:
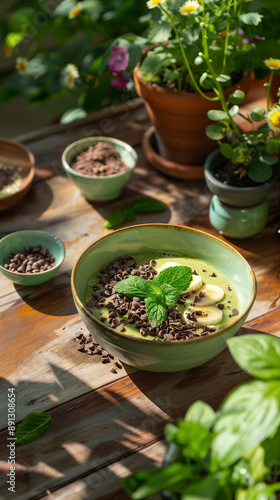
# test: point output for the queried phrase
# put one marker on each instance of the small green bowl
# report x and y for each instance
(99, 188)
(16, 242)
(167, 356)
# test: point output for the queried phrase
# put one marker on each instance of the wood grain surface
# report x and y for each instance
(105, 425)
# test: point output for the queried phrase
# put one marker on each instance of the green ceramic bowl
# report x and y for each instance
(17, 241)
(173, 355)
(99, 188)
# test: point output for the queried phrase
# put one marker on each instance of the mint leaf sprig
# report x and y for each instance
(140, 205)
(160, 293)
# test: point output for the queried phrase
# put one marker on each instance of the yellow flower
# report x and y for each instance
(76, 11)
(7, 49)
(272, 63)
(72, 74)
(189, 7)
(153, 3)
(21, 65)
(273, 117)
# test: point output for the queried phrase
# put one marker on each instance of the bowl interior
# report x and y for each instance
(171, 239)
(14, 154)
(16, 242)
(126, 152)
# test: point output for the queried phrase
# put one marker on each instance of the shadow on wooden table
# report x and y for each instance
(88, 443)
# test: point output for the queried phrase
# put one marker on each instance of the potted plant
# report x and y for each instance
(232, 453)
(175, 75)
(242, 173)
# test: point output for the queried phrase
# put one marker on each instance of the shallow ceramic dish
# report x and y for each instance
(17, 155)
(17, 241)
(99, 188)
(167, 356)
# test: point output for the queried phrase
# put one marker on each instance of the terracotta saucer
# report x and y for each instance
(168, 167)
(17, 155)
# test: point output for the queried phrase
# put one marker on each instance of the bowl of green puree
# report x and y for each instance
(161, 297)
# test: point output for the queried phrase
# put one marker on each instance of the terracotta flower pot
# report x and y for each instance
(180, 120)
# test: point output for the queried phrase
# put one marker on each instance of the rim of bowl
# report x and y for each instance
(35, 231)
(27, 180)
(168, 342)
(125, 145)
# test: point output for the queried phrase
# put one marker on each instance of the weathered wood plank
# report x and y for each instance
(110, 423)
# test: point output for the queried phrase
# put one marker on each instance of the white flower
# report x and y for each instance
(153, 3)
(75, 11)
(189, 7)
(72, 74)
(273, 117)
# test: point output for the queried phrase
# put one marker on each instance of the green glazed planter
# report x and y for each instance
(236, 212)
(99, 188)
(167, 356)
(17, 241)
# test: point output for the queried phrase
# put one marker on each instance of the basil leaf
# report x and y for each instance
(129, 214)
(148, 205)
(201, 413)
(115, 218)
(32, 427)
(134, 286)
(258, 355)
(143, 484)
(179, 277)
(249, 415)
(193, 439)
(156, 311)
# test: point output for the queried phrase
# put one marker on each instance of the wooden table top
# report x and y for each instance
(105, 425)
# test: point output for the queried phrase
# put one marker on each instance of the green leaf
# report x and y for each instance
(171, 294)
(193, 439)
(14, 39)
(32, 427)
(251, 18)
(234, 111)
(129, 214)
(226, 150)
(259, 171)
(224, 78)
(115, 218)
(217, 114)
(201, 413)
(237, 97)
(143, 484)
(156, 310)
(260, 491)
(73, 114)
(206, 81)
(179, 277)
(249, 415)
(269, 160)
(272, 146)
(258, 114)
(134, 286)
(147, 205)
(217, 131)
(204, 489)
(153, 63)
(159, 32)
(258, 355)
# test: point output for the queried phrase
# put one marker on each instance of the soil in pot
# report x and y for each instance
(233, 175)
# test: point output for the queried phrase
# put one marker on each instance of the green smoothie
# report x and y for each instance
(209, 276)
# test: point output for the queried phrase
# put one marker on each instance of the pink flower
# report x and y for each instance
(119, 82)
(119, 59)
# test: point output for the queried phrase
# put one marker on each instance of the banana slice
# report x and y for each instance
(208, 315)
(212, 295)
(196, 282)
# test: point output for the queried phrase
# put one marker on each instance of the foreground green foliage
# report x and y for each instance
(231, 454)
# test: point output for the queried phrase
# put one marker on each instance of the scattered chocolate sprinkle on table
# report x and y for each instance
(105, 424)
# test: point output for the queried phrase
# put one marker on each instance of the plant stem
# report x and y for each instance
(185, 57)
(221, 96)
(268, 90)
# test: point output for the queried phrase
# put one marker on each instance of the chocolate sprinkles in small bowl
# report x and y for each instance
(100, 160)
